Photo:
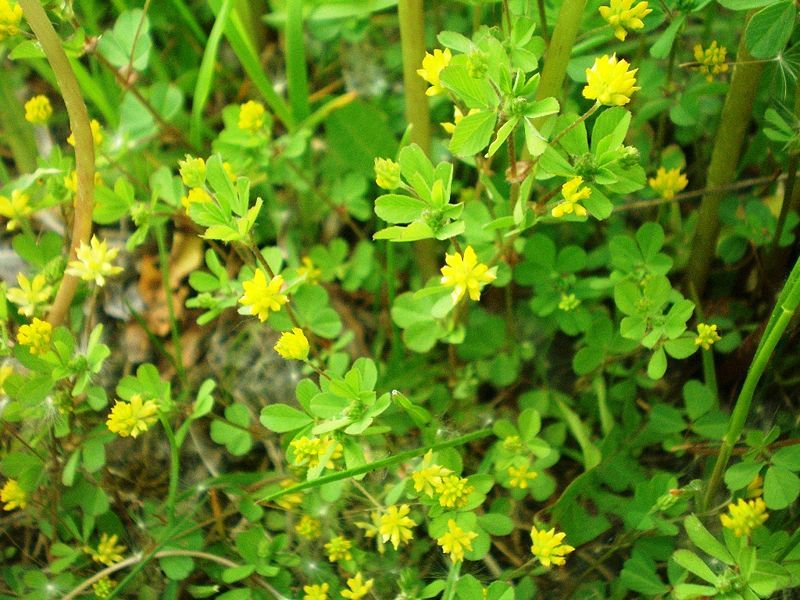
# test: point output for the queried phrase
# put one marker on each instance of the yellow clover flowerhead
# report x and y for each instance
(16, 209)
(358, 587)
(456, 540)
(609, 81)
(706, 335)
(453, 491)
(520, 476)
(466, 274)
(193, 171)
(316, 591)
(95, 262)
(308, 527)
(573, 193)
(38, 110)
(251, 116)
(308, 452)
(387, 173)
(108, 552)
(32, 295)
(13, 495)
(36, 336)
(10, 17)
(309, 270)
(432, 66)
(395, 525)
(104, 587)
(428, 477)
(339, 549)
(668, 183)
(133, 417)
(293, 346)
(260, 297)
(712, 60)
(548, 547)
(744, 516)
(196, 195)
(623, 15)
(97, 134)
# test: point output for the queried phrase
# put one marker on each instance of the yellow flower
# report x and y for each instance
(711, 61)
(193, 171)
(308, 452)
(36, 336)
(15, 210)
(10, 16)
(466, 274)
(395, 525)
(95, 262)
(133, 417)
(358, 587)
(754, 489)
(432, 66)
(387, 173)
(706, 335)
(289, 501)
(293, 346)
(457, 116)
(195, 196)
(308, 270)
(97, 134)
(512, 443)
(568, 302)
(251, 116)
(573, 193)
(338, 549)
(261, 297)
(228, 168)
(609, 82)
(548, 547)
(429, 476)
(668, 183)
(308, 527)
(372, 528)
(108, 552)
(38, 110)
(453, 491)
(622, 15)
(316, 592)
(744, 516)
(31, 295)
(13, 495)
(456, 541)
(520, 476)
(104, 587)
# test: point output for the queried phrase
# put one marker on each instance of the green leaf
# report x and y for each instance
(788, 457)
(746, 4)
(741, 474)
(281, 418)
(769, 30)
(657, 365)
(694, 564)
(129, 41)
(663, 45)
(476, 93)
(496, 524)
(781, 487)
(472, 134)
(397, 208)
(698, 398)
(706, 542)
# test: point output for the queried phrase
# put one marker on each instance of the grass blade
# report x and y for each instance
(296, 61)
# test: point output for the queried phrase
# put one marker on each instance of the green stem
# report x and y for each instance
(296, 76)
(452, 581)
(16, 132)
(84, 146)
(790, 545)
(779, 320)
(174, 470)
(542, 20)
(733, 123)
(412, 42)
(558, 53)
(376, 465)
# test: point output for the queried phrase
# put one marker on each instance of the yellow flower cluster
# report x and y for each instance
(711, 61)
(706, 335)
(36, 336)
(308, 527)
(573, 193)
(623, 15)
(466, 275)
(293, 345)
(95, 262)
(251, 116)
(395, 525)
(10, 17)
(13, 495)
(432, 480)
(308, 452)
(338, 548)
(193, 171)
(289, 501)
(308, 271)
(316, 592)
(16, 209)
(104, 587)
(195, 196)
(609, 81)
(108, 552)
(358, 587)
(432, 66)
(568, 302)
(32, 295)
(456, 540)
(260, 297)
(667, 183)
(97, 134)
(548, 547)
(520, 476)
(38, 110)
(387, 173)
(133, 417)
(744, 516)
